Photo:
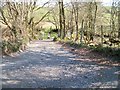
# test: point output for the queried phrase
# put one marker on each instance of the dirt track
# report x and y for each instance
(47, 64)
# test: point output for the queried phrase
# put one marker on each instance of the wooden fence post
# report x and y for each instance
(81, 34)
(102, 35)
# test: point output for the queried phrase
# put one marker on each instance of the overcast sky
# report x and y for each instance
(105, 2)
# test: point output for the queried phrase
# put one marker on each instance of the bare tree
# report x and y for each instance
(76, 13)
(19, 19)
(61, 19)
(119, 19)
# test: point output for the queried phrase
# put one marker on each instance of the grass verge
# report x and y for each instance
(112, 54)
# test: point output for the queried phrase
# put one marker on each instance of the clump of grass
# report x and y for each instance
(108, 52)
(104, 51)
(10, 47)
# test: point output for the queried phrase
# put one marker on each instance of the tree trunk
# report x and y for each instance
(94, 21)
(81, 34)
(75, 8)
(101, 35)
(71, 24)
(119, 19)
(62, 19)
(63, 22)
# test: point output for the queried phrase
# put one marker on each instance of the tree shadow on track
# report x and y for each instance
(33, 69)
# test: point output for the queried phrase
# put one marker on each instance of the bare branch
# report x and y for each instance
(43, 16)
(42, 6)
(4, 19)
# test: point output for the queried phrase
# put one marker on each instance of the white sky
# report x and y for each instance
(105, 2)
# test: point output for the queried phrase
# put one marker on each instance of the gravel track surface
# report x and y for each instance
(46, 64)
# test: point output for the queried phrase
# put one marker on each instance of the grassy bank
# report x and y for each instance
(106, 52)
